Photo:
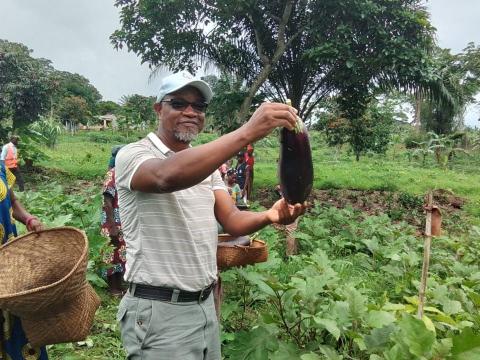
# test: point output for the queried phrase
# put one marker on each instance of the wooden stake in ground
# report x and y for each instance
(432, 228)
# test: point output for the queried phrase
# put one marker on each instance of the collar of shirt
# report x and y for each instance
(160, 145)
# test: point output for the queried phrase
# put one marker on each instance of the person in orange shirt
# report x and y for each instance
(9, 157)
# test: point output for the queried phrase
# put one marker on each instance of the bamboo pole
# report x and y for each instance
(426, 255)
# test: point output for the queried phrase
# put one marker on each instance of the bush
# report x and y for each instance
(105, 138)
(413, 140)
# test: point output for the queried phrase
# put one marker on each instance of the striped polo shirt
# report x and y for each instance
(171, 237)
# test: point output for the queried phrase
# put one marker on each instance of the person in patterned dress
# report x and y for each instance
(114, 256)
(13, 342)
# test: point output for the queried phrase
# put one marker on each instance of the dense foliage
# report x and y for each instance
(25, 84)
(460, 74)
(286, 46)
(137, 112)
(372, 132)
(352, 294)
(229, 94)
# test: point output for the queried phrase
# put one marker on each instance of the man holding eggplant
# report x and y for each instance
(171, 196)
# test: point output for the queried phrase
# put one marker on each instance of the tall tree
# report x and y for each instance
(69, 84)
(25, 84)
(298, 49)
(138, 110)
(229, 94)
(460, 76)
(107, 107)
(74, 110)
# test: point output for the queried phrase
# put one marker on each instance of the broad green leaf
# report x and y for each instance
(378, 319)
(415, 335)
(227, 337)
(360, 343)
(396, 353)
(465, 324)
(393, 307)
(452, 307)
(330, 353)
(60, 220)
(257, 279)
(475, 298)
(255, 344)
(379, 338)
(445, 319)
(310, 356)
(442, 348)
(356, 302)
(432, 309)
(286, 351)
(412, 300)
(466, 346)
(428, 323)
(329, 325)
(394, 257)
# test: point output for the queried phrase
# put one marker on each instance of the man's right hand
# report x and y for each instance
(268, 117)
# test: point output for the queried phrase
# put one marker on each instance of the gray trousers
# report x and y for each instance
(155, 330)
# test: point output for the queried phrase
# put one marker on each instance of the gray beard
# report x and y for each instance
(186, 136)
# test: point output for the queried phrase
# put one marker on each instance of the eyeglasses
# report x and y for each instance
(181, 105)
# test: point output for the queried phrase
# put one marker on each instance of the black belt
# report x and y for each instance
(168, 294)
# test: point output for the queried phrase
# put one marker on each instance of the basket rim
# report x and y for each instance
(74, 268)
(249, 246)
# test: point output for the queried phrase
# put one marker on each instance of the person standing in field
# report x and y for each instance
(171, 196)
(233, 188)
(243, 174)
(250, 161)
(111, 227)
(13, 342)
(9, 157)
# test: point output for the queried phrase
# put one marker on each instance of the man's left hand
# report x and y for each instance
(283, 213)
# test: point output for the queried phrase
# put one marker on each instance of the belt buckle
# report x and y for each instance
(200, 296)
(204, 291)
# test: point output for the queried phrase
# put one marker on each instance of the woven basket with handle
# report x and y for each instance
(239, 251)
(44, 283)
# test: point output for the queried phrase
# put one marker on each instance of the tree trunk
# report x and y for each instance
(247, 102)
(418, 109)
(268, 63)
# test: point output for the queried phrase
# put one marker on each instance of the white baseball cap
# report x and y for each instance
(181, 79)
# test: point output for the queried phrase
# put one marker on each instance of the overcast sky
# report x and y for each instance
(74, 35)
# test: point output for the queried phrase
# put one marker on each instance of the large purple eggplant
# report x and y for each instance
(295, 167)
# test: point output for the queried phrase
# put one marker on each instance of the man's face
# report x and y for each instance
(184, 123)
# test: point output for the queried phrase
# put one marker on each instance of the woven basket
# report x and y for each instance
(43, 283)
(239, 255)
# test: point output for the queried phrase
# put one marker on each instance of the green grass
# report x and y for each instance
(84, 155)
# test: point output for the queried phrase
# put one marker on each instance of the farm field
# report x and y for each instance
(351, 293)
